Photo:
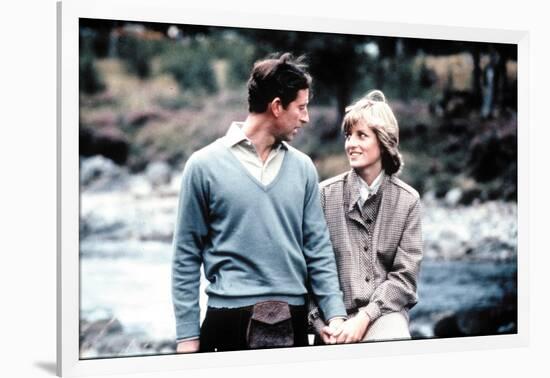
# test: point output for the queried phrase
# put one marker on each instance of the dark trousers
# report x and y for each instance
(224, 329)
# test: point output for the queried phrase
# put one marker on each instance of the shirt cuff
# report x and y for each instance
(337, 317)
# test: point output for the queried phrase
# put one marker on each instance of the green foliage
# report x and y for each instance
(137, 54)
(191, 66)
(397, 78)
(90, 80)
(238, 53)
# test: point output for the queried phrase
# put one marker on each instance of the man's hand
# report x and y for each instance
(329, 333)
(354, 329)
(188, 346)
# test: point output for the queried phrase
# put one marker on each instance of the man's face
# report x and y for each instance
(294, 117)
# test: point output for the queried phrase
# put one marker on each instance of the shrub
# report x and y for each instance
(239, 55)
(137, 54)
(191, 67)
(90, 80)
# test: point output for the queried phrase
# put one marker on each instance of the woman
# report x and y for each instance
(374, 223)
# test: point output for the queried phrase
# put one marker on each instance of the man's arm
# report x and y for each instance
(190, 232)
(318, 253)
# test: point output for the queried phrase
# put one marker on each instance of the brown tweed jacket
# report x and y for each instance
(378, 274)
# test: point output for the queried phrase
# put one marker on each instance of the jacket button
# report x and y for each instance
(367, 279)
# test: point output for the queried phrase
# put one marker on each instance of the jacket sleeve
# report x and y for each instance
(320, 260)
(189, 238)
(398, 291)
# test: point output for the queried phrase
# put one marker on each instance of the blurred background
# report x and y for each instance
(151, 94)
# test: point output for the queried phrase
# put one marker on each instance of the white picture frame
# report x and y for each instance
(68, 362)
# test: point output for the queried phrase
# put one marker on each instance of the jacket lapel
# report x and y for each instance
(384, 206)
(353, 191)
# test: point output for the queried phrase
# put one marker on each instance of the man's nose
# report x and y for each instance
(305, 117)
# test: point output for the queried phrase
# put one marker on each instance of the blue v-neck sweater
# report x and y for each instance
(255, 242)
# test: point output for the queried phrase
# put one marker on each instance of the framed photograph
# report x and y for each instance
(142, 88)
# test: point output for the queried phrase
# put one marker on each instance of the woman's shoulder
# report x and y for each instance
(403, 187)
(335, 182)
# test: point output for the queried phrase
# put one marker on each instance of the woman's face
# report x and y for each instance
(362, 149)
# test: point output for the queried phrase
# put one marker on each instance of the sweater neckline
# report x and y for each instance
(242, 168)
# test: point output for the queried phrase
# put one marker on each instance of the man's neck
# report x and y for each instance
(257, 128)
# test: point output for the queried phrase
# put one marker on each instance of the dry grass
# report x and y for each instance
(134, 94)
(459, 68)
(456, 68)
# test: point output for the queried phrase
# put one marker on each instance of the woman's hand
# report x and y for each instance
(354, 329)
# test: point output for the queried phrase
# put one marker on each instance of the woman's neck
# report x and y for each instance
(369, 174)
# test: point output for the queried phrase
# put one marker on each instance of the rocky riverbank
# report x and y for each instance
(468, 282)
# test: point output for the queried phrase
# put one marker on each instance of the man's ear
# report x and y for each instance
(276, 107)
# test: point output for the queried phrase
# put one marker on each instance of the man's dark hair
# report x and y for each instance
(276, 76)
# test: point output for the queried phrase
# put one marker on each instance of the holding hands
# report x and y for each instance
(350, 331)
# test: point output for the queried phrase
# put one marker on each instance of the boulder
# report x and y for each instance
(107, 141)
(158, 173)
(453, 196)
(99, 173)
(478, 322)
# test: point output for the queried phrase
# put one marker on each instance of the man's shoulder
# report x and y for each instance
(404, 187)
(205, 154)
(204, 160)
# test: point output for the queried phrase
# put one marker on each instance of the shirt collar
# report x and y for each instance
(373, 188)
(235, 135)
(360, 190)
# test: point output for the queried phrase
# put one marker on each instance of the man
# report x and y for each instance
(249, 212)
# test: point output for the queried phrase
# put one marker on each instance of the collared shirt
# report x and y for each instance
(246, 153)
(366, 191)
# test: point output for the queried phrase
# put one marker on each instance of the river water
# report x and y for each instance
(126, 253)
(136, 290)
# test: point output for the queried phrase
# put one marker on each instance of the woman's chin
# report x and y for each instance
(355, 164)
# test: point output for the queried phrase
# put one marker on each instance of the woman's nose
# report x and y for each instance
(351, 141)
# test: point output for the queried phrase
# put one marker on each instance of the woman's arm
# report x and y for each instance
(398, 291)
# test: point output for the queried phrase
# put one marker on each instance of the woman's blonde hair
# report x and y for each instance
(374, 112)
